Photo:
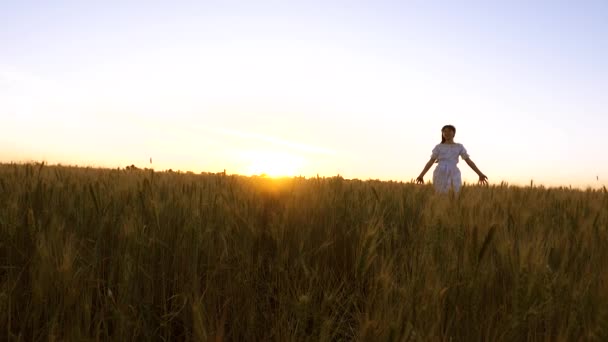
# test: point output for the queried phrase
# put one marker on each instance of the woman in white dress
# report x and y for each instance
(447, 175)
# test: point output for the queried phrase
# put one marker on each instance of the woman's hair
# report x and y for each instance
(447, 127)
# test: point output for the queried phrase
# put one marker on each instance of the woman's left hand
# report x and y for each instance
(483, 179)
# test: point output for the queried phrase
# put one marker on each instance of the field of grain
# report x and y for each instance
(91, 254)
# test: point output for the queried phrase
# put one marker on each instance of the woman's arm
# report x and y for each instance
(426, 168)
(473, 166)
(482, 177)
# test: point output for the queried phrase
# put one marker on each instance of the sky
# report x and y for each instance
(355, 88)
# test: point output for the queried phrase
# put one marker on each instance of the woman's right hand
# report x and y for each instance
(420, 180)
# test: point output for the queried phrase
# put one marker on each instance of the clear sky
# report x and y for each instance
(355, 88)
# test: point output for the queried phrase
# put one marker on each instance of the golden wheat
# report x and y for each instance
(90, 254)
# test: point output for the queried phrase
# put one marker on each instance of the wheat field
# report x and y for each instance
(136, 255)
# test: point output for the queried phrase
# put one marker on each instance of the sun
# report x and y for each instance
(273, 164)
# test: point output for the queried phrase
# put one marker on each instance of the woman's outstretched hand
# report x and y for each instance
(420, 180)
(483, 179)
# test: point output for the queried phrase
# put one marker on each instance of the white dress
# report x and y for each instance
(446, 173)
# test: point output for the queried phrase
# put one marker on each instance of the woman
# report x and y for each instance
(447, 175)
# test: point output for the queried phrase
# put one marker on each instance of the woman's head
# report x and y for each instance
(448, 131)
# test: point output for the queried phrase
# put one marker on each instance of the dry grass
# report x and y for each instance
(90, 254)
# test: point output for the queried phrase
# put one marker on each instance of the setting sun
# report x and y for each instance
(273, 164)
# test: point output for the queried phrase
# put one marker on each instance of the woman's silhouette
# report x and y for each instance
(447, 175)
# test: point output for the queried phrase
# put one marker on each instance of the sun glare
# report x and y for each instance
(273, 164)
